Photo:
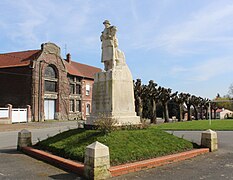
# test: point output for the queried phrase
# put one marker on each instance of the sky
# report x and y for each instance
(180, 44)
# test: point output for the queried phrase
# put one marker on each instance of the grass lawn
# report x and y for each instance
(224, 125)
(124, 145)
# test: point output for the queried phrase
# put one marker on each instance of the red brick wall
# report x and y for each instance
(86, 99)
(28, 88)
(15, 86)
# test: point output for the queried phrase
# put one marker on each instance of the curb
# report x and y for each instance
(60, 162)
(155, 162)
(78, 168)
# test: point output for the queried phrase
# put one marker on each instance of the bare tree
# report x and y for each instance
(230, 91)
(164, 96)
(188, 102)
(153, 94)
(196, 101)
(180, 99)
(214, 107)
(138, 94)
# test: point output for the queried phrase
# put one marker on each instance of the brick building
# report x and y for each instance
(54, 88)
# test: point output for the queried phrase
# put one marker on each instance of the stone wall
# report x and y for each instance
(50, 56)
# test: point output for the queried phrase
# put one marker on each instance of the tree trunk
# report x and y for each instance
(154, 115)
(195, 109)
(211, 114)
(189, 113)
(201, 113)
(181, 112)
(140, 107)
(215, 113)
(166, 115)
(206, 113)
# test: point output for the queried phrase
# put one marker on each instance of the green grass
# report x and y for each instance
(124, 145)
(220, 125)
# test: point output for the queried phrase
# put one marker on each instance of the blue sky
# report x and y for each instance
(181, 44)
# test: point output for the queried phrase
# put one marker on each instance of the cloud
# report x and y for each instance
(178, 69)
(22, 27)
(204, 70)
(213, 68)
(207, 26)
(200, 31)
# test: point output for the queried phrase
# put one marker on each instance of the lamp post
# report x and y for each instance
(209, 113)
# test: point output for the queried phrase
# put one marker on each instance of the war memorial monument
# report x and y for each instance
(113, 94)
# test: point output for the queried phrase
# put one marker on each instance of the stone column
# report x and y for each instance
(209, 139)
(9, 112)
(24, 139)
(97, 161)
(29, 113)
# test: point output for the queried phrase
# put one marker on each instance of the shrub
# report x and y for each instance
(105, 123)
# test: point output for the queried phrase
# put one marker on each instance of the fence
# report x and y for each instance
(9, 115)
(4, 112)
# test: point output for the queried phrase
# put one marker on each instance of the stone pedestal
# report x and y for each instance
(24, 139)
(97, 161)
(113, 96)
(209, 139)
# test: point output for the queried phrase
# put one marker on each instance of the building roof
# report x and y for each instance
(223, 110)
(16, 59)
(218, 110)
(22, 58)
(83, 70)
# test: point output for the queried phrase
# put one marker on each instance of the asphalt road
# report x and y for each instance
(15, 165)
(8, 139)
(214, 166)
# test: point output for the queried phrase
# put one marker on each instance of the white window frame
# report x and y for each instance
(88, 89)
(71, 108)
(88, 109)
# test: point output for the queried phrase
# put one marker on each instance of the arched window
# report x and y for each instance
(50, 72)
(50, 77)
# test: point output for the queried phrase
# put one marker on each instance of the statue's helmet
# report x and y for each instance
(106, 22)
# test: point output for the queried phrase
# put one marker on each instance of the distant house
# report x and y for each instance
(55, 88)
(223, 113)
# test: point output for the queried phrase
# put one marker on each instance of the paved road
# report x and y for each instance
(40, 131)
(217, 165)
(212, 166)
(15, 165)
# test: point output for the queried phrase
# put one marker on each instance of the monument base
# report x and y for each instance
(120, 121)
(113, 97)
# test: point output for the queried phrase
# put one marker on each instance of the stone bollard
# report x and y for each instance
(97, 161)
(209, 139)
(24, 139)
